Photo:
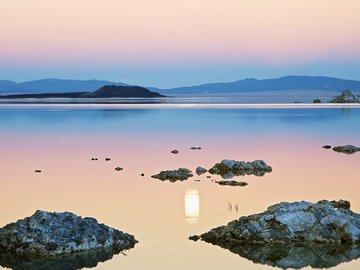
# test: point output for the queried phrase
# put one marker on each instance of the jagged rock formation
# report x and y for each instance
(229, 168)
(180, 174)
(47, 234)
(346, 97)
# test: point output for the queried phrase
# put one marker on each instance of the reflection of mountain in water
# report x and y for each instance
(70, 262)
(297, 255)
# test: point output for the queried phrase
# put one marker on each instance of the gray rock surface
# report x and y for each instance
(228, 168)
(231, 183)
(47, 234)
(200, 170)
(180, 174)
(299, 222)
(346, 149)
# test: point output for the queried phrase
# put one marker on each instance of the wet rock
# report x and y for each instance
(47, 234)
(346, 97)
(94, 159)
(175, 152)
(107, 159)
(118, 169)
(195, 148)
(200, 170)
(327, 147)
(228, 168)
(174, 175)
(299, 222)
(37, 171)
(143, 174)
(208, 176)
(231, 183)
(194, 238)
(346, 149)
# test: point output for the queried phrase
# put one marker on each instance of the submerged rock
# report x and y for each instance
(174, 175)
(231, 183)
(200, 170)
(228, 168)
(346, 149)
(298, 222)
(47, 234)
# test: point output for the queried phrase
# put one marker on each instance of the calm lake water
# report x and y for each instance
(61, 140)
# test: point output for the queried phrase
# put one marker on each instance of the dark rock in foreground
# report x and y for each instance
(298, 222)
(228, 168)
(174, 175)
(174, 152)
(346, 149)
(46, 235)
(346, 97)
(86, 259)
(295, 235)
(231, 183)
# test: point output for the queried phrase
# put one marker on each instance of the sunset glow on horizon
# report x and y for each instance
(155, 42)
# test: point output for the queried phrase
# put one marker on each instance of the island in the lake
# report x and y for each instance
(107, 91)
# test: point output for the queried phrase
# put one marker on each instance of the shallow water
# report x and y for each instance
(61, 140)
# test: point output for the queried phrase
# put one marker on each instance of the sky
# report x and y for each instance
(168, 43)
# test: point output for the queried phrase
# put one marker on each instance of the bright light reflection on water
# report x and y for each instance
(192, 206)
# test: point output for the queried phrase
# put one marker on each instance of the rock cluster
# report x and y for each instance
(180, 174)
(346, 97)
(299, 222)
(346, 149)
(228, 168)
(47, 234)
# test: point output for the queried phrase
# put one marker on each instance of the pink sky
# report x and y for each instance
(187, 33)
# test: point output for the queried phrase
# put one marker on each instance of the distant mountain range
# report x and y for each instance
(247, 85)
(107, 91)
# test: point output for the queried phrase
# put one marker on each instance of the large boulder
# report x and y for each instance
(47, 234)
(294, 235)
(228, 168)
(283, 223)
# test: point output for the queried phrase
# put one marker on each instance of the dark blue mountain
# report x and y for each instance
(254, 85)
(54, 86)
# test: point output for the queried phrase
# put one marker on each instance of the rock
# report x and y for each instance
(200, 170)
(299, 222)
(174, 175)
(208, 176)
(107, 159)
(118, 169)
(46, 235)
(231, 183)
(175, 151)
(142, 174)
(346, 149)
(327, 146)
(229, 168)
(94, 159)
(195, 148)
(346, 97)
(317, 100)
(37, 171)
(194, 238)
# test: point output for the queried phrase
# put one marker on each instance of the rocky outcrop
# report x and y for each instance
(298, 222)
(231, 183)
(346, 97)
(200, 170)
(346, 149)
(47, 234)
(294, 235)
(228, 168)
(180, 174)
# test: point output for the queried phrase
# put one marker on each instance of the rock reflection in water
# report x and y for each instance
(296, 255)
(76, 261)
